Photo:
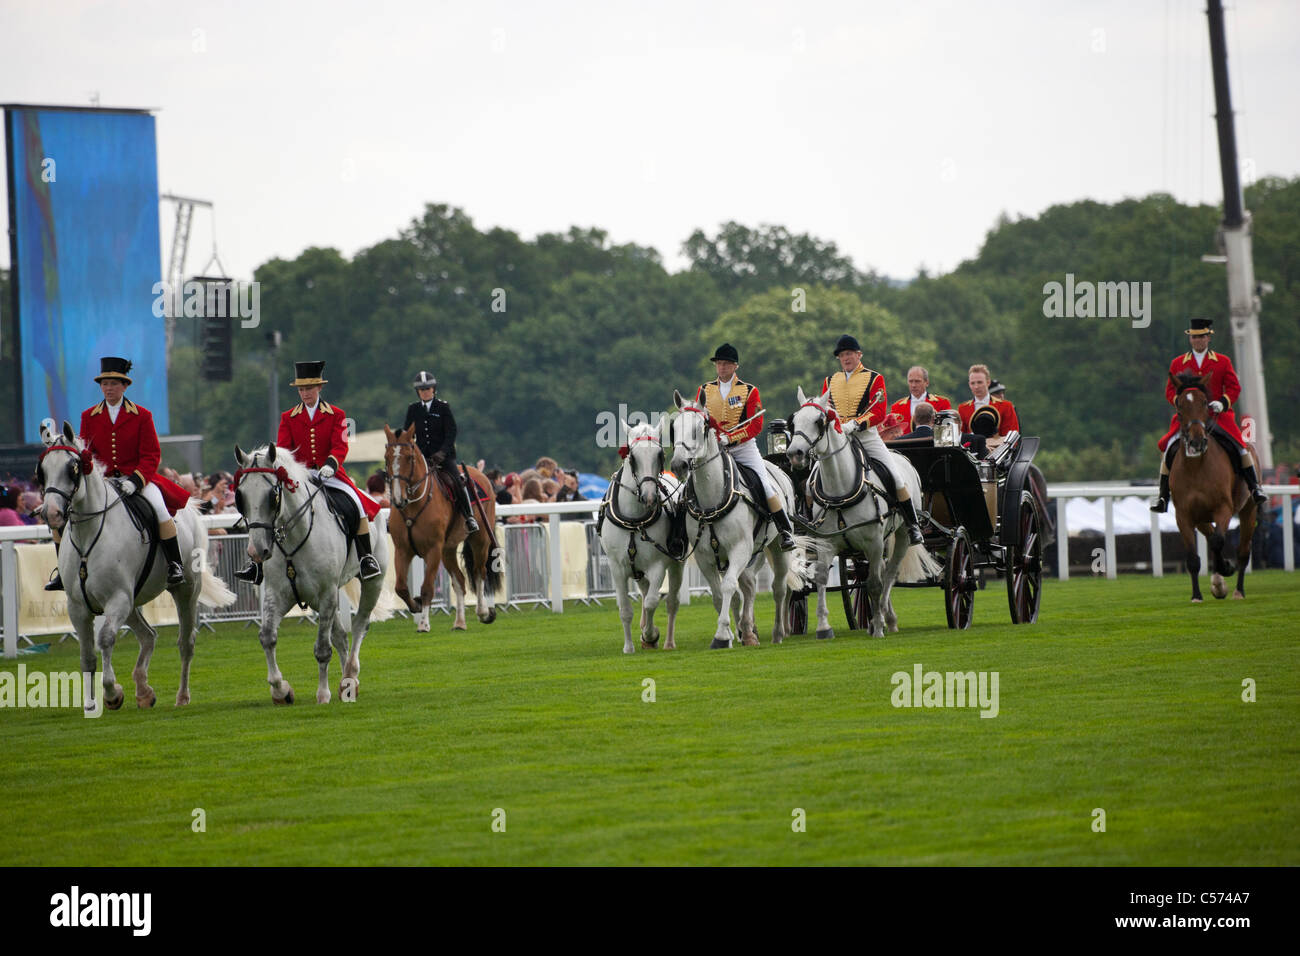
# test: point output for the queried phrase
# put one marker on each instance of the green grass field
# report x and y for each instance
(1124, 697)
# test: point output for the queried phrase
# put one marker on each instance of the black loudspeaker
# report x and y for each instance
(215, 329)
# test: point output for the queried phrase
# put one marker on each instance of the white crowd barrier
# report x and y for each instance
(547, 561)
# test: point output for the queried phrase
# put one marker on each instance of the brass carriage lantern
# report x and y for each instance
(947, 429)
(777, 438)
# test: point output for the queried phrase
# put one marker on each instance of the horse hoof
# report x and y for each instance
(718, 643)
(286, 699)
(826, 635)
(776, 640)
(492, 616)
(459, 626)
(670, 646)
(147, 701)
(182, 699)
(750, 640)
(1238, 596)
(1197, 601)
(115, 704)
(629, 649)
(322, 696)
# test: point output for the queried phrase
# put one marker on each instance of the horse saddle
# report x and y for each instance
(142, 516)
(754, 483)
(344, 509)
(451, 491)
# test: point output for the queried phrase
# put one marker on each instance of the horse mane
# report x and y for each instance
(642, 430)
(283, 457)
(1185, 380)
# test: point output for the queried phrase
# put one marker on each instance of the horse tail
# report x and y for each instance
(490, 571)
(802, 575)
(212, 590)
(918, 565)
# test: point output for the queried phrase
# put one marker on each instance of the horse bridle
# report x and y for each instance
(1184, 424)
(710, 422)
(636, 489)
(282, 481)
(828, 415)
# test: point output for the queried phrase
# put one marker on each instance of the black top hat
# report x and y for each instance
(1201, 327)
(309, 373)
(425, 380)
(996, 387)
(110, 366)
(726, 353)
(847, 343)
(985, 421)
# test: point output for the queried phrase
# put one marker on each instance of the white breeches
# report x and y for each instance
(151, 494)
(747, 454)
(870, 439)
(335, 482)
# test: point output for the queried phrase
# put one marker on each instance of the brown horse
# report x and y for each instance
(1207, 491)
(425, 523)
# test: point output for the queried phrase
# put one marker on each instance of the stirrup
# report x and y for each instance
(1257, 493)
(56, 581)
(369, 568)
(914, 535)
(1161, 505)
(471, 526)
(175, 574)
(787, 540)
(252, 574)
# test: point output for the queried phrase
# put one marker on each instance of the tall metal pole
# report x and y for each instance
(1243, 298)
(274, 339)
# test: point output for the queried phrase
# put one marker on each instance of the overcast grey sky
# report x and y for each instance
(898, 130)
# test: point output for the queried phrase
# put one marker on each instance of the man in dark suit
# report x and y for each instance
(922, 422)
(435, 434)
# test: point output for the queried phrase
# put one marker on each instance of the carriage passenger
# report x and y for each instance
(121, 435)
(316, 432)
(435, 434)
(861, 403)
(922, 421)
(736, 406)
(918, 388)
(1223, 389)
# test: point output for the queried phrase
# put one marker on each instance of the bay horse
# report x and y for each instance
(103, 560)
(1207, 491)
(426, 524)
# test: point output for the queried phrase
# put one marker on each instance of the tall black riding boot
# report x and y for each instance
(369, 567)
(55, 582)
(1162, 502)
(171, 548)
(467, 508)
(908, 511)
(252, 574)
(1252, 482)
(784, 530)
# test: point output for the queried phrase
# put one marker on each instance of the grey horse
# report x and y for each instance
(98, 531)
(292, 531)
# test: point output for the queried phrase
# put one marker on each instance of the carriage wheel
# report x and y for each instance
(1025, 565)
(853, 591)
(959, 584)
(797, 617)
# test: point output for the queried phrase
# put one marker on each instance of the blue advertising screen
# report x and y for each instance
(84, 203)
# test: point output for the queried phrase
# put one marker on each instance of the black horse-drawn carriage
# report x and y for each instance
(977, 513)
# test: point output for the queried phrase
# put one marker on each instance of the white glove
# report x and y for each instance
(326, 472)
(849, 427)
(723, 439)
(1216, 406)
(128, 487)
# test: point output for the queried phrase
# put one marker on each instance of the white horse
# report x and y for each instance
(634, 534)
(100, 537)
(306, 558)
(717, 500)
(850, 518)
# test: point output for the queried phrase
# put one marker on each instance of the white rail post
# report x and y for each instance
(1157, 548)
(1288, 536)
(1109, 508)
(557, 566)
(1203, 549)
(1062, 542)
(9, 575)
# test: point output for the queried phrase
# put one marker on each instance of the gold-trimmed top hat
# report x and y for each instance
(110, 366)
(1201, 327)
(309, 373)
(986, 421)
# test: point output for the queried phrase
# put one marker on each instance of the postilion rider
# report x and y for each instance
(861, 402)
(1224, 390)
(121, 435)
(316, 431)
(737, 408)
(435, 434)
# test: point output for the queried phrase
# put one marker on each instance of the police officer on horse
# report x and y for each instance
(861, 403)
(1223, 389)
(121, 435)
(435, 434)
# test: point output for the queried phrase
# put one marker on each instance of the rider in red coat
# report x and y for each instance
(1224, 389)
(122, 437)
(315, 432)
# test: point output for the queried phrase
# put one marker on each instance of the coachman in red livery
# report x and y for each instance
(1223, 388)
(121, 436)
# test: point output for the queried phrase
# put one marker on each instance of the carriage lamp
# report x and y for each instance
(777, 439)
(947, 429)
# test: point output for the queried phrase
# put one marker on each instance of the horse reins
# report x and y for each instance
(278, 535)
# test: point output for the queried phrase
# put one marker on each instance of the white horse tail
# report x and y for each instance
(212, 590)
(918, 565)
(802, 575)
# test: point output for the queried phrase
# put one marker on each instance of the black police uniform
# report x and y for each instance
(435, 435)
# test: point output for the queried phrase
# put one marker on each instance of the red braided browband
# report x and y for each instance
(829, 412)
(87, 459)
(713, 422)
(281, 475)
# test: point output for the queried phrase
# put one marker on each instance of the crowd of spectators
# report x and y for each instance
(543, 483)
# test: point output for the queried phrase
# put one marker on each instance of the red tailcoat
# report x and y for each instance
(321, 441)
(1007, 419)
(1223, 387)
(903, 407)
(130, 448)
